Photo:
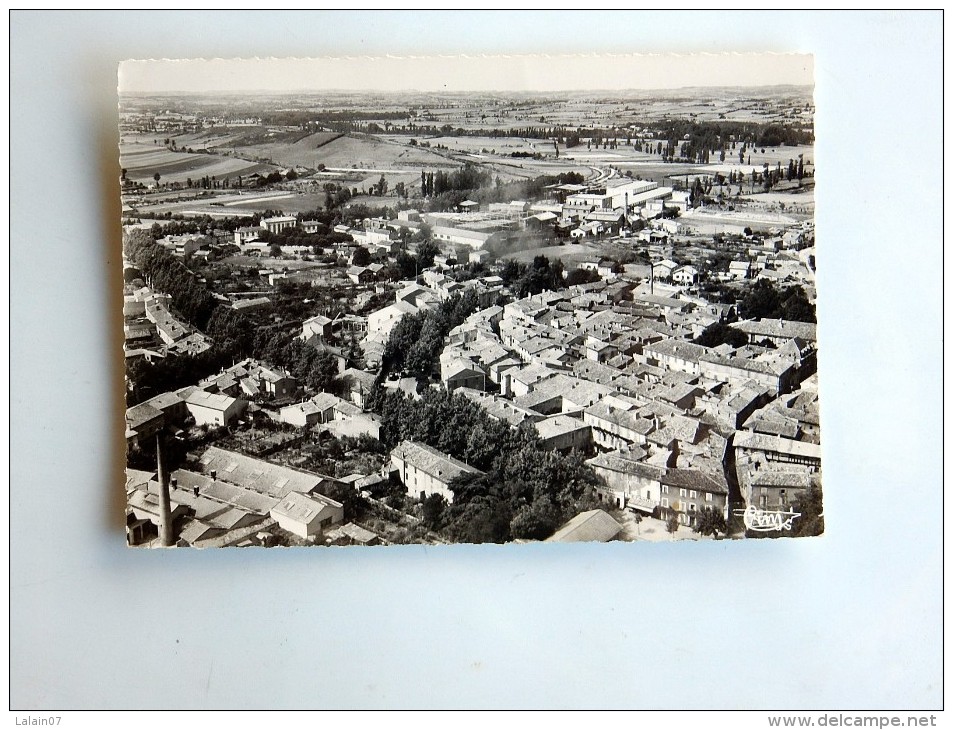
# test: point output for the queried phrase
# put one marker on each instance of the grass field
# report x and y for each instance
(571, 254)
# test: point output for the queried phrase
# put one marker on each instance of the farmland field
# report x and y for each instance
(221, 206)
(142, 160)
(364, 152)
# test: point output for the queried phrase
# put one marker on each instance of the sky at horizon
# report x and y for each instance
(467, 73)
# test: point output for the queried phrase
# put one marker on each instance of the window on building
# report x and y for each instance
(664, 501)
(664, 489)
(708, 496)
(691, 506)
(692, 494)
(681, 492)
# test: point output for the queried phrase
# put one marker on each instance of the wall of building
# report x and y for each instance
(419, 483)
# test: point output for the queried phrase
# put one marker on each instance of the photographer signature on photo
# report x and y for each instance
(760, 520)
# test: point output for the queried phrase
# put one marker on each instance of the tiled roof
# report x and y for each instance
(778, 328)
(261, 476)
(304, 508)
(431, 461)
(618, 461)
(793, 479)
(592, 526)
(697, 480)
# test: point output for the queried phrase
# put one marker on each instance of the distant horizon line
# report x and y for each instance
(224, 92)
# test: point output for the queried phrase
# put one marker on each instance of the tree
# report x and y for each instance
(810, 504)
(710, 522)
(433, 509)
(535, 521)
(719, 333)
(323, 371)
(157, 177)
(361, 257)
(671, 525)
(274, 250)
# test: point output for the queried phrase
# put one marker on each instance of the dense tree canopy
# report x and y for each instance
(764, 300)
(526, 491)
(416, 341)
(719, 334)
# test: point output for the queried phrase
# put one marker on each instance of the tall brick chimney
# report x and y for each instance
(166, 538)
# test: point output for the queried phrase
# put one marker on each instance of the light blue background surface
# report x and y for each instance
(849, 620)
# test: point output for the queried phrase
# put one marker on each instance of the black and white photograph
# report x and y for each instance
(521, 360)
(377, 317)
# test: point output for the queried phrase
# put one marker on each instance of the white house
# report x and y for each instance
(278, 223)
(213, 409)
(424, 470)
(307, 516)
(685, 275)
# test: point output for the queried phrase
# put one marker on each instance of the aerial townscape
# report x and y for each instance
(435, 317)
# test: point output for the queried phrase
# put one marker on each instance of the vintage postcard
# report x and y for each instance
(388, 301)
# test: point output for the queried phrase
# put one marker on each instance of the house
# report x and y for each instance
(739, 270)
(143, 422)
(213, 409)
(252, 379)
(686, 275)
(278, 223)
(257, 475)
(424, 470)
(307, 515)
(542, 221)
(777, 331)
(616, 423)
(586, 230)
(674, 354)
(600, 351)
(464, 236)
(610, 221)
(688, 491)
(478, 256)
(663, 269)
(593, 526)
(361, 383)
(351, 534)
(318, 326)
(245, 235)
(360, 274)
(774, 490)
(349, 324)
(381, 322)
(772, 450)
(630, 482)
(460, 372)
(312, 226)
(563, 433)
(252, 305)
(319, 409)
(773, 371)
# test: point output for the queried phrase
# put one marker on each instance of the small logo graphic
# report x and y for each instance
(760, 520)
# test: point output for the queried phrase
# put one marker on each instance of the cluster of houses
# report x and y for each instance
(151, 331)
(657, 413)
(228, 498)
